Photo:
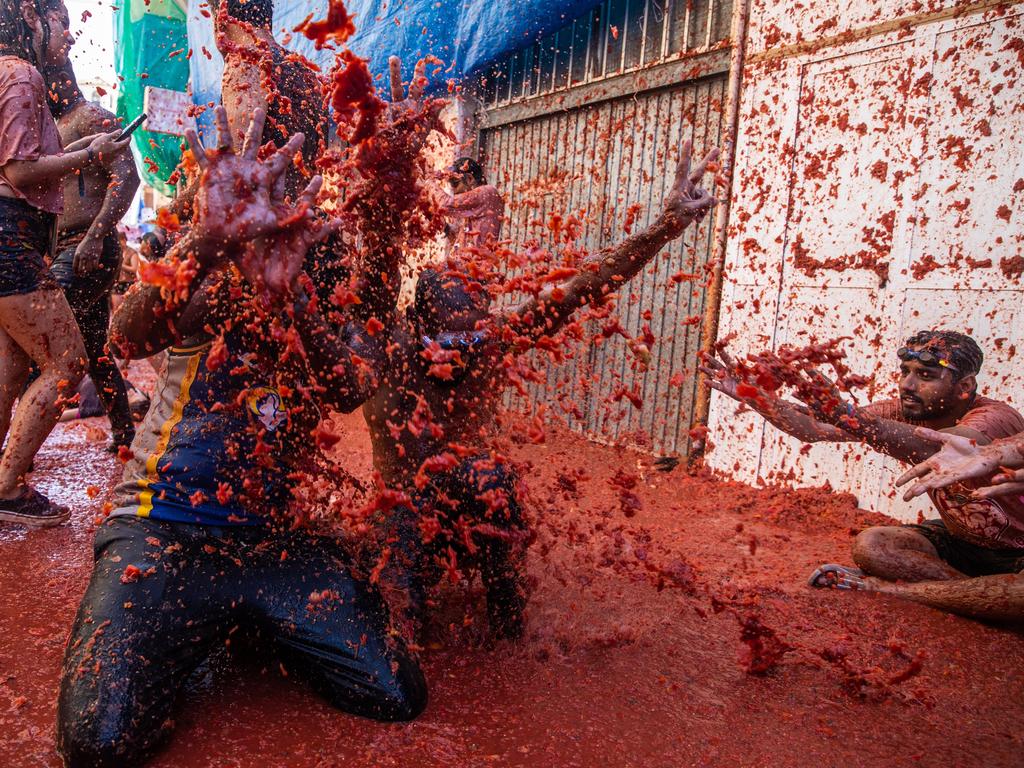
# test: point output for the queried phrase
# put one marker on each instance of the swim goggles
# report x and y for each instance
(461, 341)
(924, 357)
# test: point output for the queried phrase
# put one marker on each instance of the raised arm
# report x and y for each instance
(610, 268)
(241, 215)
(242, 92)
(234, 212)
(390, 190)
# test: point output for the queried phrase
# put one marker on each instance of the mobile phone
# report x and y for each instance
(129, 129)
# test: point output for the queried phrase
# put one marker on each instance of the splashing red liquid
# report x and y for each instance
(338, 26)
(354, 97)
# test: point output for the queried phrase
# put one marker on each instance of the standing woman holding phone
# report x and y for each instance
(36, 323)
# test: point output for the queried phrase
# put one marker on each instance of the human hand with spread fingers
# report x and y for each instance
(825, 401)
(241, 212)
(388, 159)
(962, 458)
(409, 111)
(687, 202)
(236, 200)
(724, 375)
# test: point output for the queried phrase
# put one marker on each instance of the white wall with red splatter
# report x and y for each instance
(879, 190)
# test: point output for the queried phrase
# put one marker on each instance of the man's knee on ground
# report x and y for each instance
(86, 741)
(396, 691)
(870, 544)
(99, 720)
(407, 693)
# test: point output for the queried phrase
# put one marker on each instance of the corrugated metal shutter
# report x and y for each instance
(606, 158)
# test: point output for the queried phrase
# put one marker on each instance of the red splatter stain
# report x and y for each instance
(338, 26)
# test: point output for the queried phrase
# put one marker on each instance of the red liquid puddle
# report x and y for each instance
(626, 661)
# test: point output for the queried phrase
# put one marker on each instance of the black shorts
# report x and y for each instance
(25, 240)
(83, 290)
(969, 559)
(473, 512)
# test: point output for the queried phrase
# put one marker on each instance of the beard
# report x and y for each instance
(918, 409)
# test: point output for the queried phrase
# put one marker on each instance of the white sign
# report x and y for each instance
(167, 111)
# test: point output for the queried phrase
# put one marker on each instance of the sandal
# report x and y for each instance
(32, 509)
(836, 576)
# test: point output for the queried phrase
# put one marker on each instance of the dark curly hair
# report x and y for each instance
(960, 349)
(15, 33)
(259, 13)
(467, 166)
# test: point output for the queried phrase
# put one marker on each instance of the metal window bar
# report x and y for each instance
(588, 52)
(643, 33)
(711, 24)
(624, 36)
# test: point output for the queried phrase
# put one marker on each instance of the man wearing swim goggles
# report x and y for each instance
(975, 537)
(452, 348)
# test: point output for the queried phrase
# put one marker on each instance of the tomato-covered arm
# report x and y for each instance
(176, 306)
(612, 267)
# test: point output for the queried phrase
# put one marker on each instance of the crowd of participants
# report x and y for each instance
(273, 303)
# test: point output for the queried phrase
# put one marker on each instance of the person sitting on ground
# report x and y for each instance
(207, 492)
(953, 560)
(431, 417)
(36, 323)
(89, 255)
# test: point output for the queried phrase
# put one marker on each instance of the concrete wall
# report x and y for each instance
(879, 190)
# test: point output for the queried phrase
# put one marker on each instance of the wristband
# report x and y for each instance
(90, 155)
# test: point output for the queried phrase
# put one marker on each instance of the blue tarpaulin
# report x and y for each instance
(467, 35)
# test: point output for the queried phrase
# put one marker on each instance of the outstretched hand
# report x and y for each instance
(686, 202)
(961, 458)
(240, 211)
(389, 162)
(408, 112)
(824, 399)
(405, 124)
(235, 201)
(723, 375)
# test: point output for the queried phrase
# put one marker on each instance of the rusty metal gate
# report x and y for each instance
(609, 158)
